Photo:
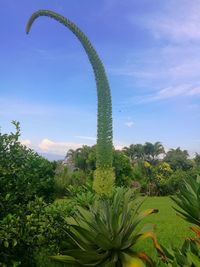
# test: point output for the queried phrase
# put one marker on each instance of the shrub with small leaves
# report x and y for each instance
(104, 181)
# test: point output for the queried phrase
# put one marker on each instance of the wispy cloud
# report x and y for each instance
(184, 90)
(178, 21)
(169, 67)
(129, 124)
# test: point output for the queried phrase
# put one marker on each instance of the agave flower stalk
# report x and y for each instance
(104, 180)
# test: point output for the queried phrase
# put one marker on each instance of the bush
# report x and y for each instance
(83, 196)
(23, 174)
(123, 169)
(26, 185)
(38, 226)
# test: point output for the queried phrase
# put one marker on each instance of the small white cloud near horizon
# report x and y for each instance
(26, 142)
(59, 148)
(129, 124)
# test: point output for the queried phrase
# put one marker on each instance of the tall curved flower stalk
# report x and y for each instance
(104, 174)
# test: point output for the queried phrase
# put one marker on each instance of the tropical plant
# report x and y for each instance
(197, 159)
(82, 195)
(149, 152)
(106, 234)
(153, 151)
(186, 256)
(104, 173)
(189, 201)
(123, 169)
(178, 159)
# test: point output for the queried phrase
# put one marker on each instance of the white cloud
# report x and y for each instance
(118, 145)
(129, 124)
(177, 21)
(60, 148)
(26, 142)
(173, 91)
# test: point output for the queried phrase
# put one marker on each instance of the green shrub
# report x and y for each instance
(123, 169)
(27, 223)
(104, 181)
(82, 195)
(62, 179)
(23, 174)
(36, 227)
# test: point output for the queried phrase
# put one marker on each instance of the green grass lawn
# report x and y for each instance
(169, 227)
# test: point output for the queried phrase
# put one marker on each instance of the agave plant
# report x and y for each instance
(104, 175)
(189, 201)
(106, 234)
(186, 256)
(196, 230)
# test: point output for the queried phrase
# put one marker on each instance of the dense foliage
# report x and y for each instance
(23, 174)
(153, 172)
(26, 188)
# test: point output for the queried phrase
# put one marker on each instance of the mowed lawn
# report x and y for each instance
(170, 229)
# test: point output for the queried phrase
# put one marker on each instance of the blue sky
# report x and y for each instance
(151, 52)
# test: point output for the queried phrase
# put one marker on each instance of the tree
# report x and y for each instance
(153, 151)
(129, 151)
(123, 168)
(23, 174)
(83, 158)
(197, 159)
(104, 175)
(149, 152)
(134, 152)
(178, 159)
(25, 178)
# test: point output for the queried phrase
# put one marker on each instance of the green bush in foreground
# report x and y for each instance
(23, 174)
(26, 188)
(38, 226)
(106, 234)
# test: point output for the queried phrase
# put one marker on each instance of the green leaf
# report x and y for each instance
(6, 244)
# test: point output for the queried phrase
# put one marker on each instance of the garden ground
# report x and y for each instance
(169, 227)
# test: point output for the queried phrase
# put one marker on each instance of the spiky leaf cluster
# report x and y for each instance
(106, 235)
(189, 201)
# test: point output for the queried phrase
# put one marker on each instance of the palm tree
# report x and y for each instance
(153, 151)
(104, 173)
